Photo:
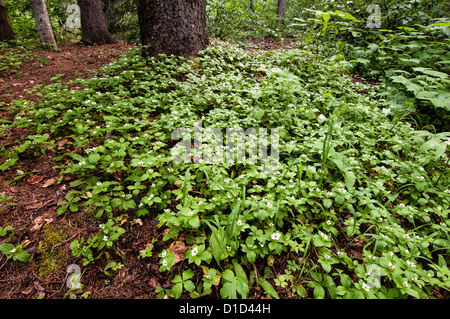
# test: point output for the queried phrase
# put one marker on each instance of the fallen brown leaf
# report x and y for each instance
(35, 179)
(39, 221)
(178, 248)
(49, 182)
(62, 142)
(28, 290)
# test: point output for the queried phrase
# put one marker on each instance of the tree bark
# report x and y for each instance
(281, 8)
(175, 27)
(43, 24)
(6, 31)
(93, 23)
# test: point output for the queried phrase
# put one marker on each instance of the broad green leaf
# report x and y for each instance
(268, 288)
(431, 72)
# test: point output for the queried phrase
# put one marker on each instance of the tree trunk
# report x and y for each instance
(93, 23)
(281, 8)
(173, 27)
(6, 31)
(43, 24)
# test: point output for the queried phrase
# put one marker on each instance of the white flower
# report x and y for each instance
(328, 222)
(239, 222)
(164, 263)
(410, 263)
(105, 238)
(13, 250)
(275, 236)
(163, 254)
(391, 266)
(194, 251)
(101, 226)
(190, 213)
(150, 197)
(269, 205)
(365, 287)
(405, 284)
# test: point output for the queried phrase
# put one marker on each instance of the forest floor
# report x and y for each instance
(44, 234)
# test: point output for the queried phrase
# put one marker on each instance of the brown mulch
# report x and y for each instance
(32, 210)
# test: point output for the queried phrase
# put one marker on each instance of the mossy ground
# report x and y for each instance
(52, 257)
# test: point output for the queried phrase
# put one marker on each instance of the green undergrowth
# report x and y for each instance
(357, 207)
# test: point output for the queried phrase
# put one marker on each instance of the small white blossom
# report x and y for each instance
(194, 251)
(275, 236)
(365, 287)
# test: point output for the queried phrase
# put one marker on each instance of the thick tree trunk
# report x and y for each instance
(6, 31)
(175, 27)
(43, 24)
(93, 23)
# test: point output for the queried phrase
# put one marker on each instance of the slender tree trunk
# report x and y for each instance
(93, 23)
(6, 31)
(281, 8)
(43, 24)
(173, 26)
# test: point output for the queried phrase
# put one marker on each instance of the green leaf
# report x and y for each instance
(228, 275)
(189, 286)
(177, 290)
(431, 72)
(6, 248)
(22, 256)
(93, 158)
(187, 274)
(319, 292)
(217, 242)
(341, 290)
(430, 144)
(268, 288)
(349, 179)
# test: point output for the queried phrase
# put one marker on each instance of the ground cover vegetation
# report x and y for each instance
(356, 208)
